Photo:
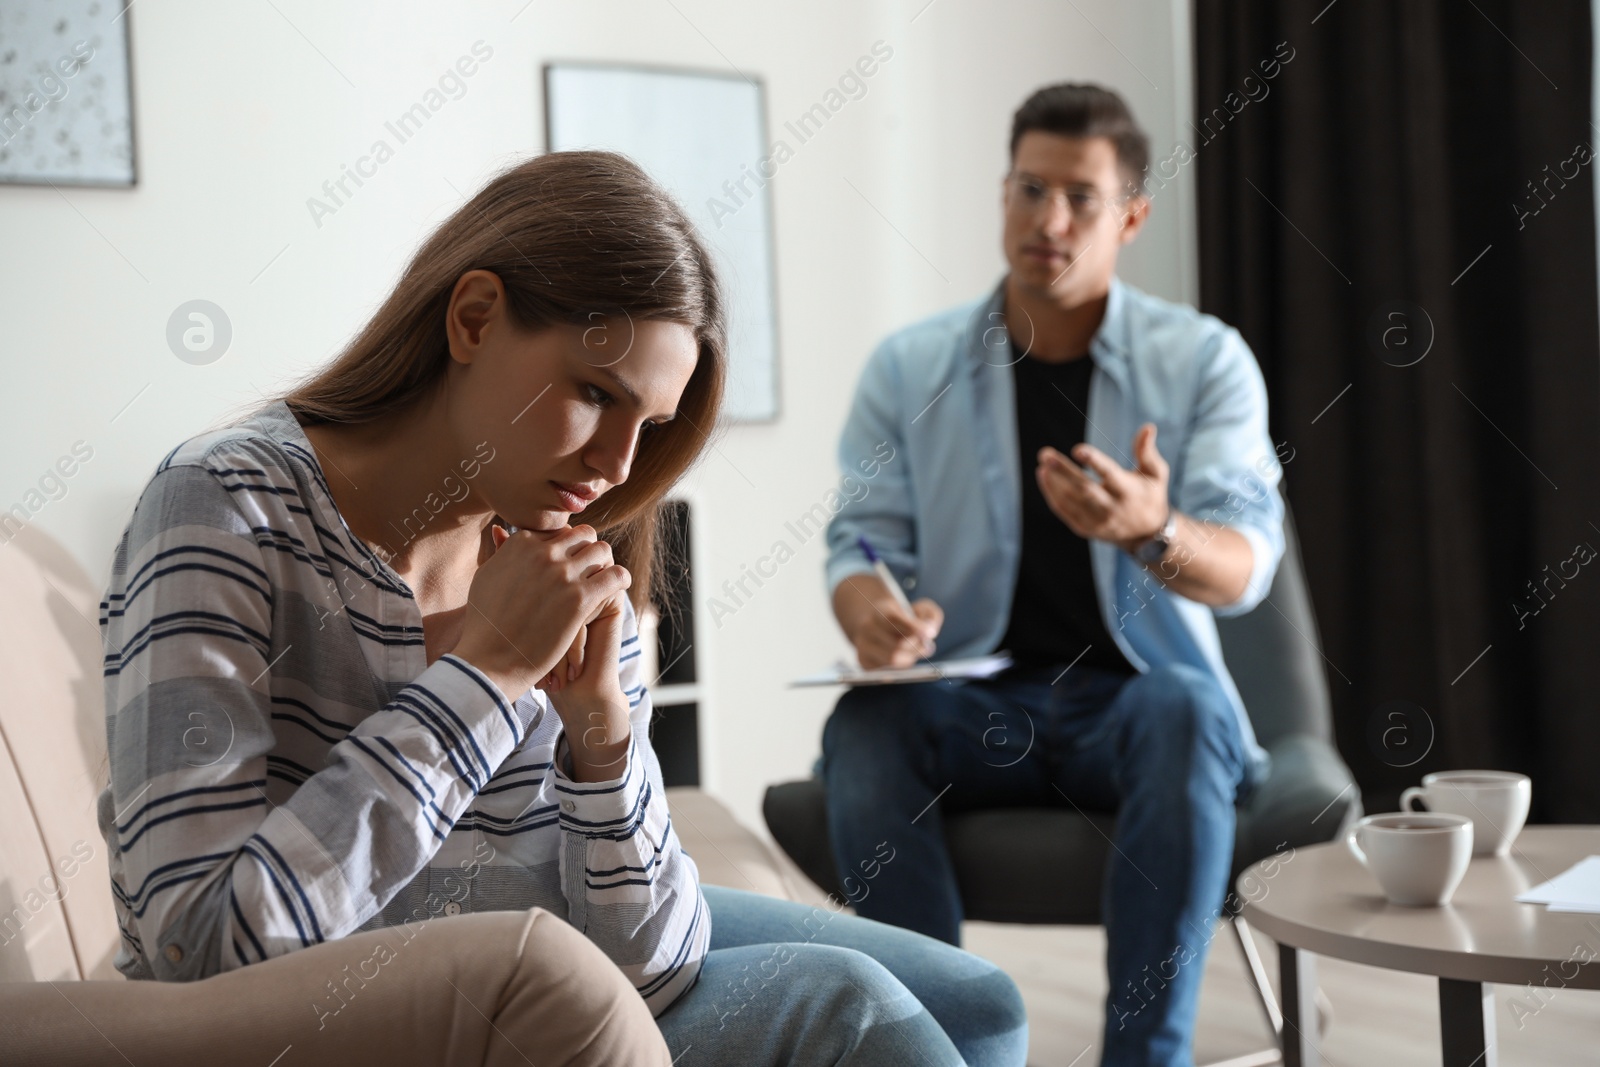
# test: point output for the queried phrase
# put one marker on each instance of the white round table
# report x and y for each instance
(1319, 901)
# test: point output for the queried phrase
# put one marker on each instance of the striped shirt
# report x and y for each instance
(287, 768)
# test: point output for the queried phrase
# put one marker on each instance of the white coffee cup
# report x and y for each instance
(1495, 801)
(1418, 859)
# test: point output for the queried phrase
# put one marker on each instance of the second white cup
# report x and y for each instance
(1495, 801)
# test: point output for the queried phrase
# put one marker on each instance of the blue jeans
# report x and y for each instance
(789, 984)
(1161, 749)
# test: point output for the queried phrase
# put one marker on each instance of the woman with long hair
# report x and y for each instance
(372, 651)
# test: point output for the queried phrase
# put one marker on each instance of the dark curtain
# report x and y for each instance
(1400, 221)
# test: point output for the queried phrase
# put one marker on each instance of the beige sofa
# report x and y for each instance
(495, 988)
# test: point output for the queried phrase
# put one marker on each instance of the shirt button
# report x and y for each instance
(452, 908)
(911, 582)
(568, 806)
(174, 953)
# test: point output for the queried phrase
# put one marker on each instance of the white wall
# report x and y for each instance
(244, 110)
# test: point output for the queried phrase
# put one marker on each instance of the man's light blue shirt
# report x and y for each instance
(945, 512)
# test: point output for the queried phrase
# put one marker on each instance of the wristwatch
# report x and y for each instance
(1156, 547)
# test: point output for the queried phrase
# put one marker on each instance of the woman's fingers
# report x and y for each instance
(571, 572)
(590, 558)
(606, 585)
(600, 639)
(575, 654)
(575, 538)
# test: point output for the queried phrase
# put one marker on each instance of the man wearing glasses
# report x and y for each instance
(1084, 479)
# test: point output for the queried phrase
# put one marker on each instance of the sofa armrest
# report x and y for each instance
(449, 990)
(725, 851)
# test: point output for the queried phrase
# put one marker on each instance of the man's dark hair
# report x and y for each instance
(1086, 110)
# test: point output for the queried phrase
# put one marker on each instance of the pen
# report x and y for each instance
(887, 575)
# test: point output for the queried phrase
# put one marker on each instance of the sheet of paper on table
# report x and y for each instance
(931, 671)
(1576, 889)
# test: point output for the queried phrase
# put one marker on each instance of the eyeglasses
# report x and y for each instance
(1029, 194)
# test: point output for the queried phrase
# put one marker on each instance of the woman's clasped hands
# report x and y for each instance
(546, 612)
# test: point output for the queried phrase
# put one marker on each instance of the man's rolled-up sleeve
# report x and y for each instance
(1231, 472)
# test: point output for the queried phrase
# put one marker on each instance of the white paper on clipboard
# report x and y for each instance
(1577, 889)
(932, 671)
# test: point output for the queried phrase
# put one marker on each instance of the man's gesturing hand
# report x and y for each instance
(1124, 507)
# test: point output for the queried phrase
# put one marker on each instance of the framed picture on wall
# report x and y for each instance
(703, 137)
(66, 96)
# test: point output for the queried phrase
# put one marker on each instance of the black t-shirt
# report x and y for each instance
(1055, 612)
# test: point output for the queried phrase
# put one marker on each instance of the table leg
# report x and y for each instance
(1297, 975)
(1466, 1023)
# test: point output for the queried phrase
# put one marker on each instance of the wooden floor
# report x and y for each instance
(1380, 1018)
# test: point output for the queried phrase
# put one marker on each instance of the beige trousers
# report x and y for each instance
(495, 989)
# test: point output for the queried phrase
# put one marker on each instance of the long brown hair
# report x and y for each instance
(576, 238)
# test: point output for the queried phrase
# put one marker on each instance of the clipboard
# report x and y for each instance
(931, 671)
